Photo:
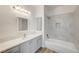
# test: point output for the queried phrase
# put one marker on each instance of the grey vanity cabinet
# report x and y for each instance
(26, 47)
(31, 45)
(37, 43)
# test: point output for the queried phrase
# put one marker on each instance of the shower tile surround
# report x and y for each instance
(76, 28)
(61, 27)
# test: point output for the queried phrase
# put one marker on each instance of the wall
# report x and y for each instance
(7, 22)
(31, 20)
(39, 17)
(76, 27)
(37, 11)
(61, 27)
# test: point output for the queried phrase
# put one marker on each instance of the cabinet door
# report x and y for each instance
(13, 50)
(31, 46)
(37, 43)
(26, 47)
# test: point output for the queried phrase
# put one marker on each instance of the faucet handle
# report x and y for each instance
(47, 35)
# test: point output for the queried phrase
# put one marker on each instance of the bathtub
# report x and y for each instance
(60, 46)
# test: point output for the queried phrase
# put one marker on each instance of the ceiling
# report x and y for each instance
(60, 9)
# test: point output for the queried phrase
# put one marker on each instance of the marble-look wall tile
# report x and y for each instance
(61, 27)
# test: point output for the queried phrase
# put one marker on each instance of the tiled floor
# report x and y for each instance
(45, 50)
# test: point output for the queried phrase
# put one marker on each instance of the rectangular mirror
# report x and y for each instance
(39, 23)
(22, 24)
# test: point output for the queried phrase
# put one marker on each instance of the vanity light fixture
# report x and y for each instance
(20, 9)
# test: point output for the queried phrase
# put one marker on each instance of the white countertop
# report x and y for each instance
(16, 41)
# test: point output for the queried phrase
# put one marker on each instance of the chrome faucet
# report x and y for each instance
(24, 35)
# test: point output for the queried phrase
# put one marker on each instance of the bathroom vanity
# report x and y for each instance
(26, 41)
(28, 44)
